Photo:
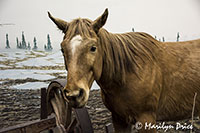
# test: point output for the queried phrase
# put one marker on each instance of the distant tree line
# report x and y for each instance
(23, 45)
(48, 47)
(163, 39)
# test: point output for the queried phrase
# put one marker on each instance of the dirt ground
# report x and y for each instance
(19, 106)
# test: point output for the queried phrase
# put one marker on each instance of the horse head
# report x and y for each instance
(82, 56)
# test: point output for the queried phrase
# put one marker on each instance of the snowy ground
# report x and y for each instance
(24, 69)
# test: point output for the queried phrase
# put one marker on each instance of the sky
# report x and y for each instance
(161, 18)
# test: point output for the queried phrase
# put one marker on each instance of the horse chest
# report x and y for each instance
(119, 105)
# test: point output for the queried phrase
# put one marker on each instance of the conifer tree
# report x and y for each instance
(45, 46)
(17, 42)
(7, 42)
(49, 47)
(133, 30)
(163, 39)
(34, 44)
(20, 45)
(23, 41)
(29, 46)
(178, 36)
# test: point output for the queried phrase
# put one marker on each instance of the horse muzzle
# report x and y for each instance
(76, 98)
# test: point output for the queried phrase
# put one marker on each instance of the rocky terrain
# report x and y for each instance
(19, 106)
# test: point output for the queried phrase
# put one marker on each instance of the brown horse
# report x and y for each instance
(141, 79)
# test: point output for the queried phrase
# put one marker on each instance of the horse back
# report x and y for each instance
(181, 80)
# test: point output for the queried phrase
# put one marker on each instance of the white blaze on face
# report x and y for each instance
(75, 41)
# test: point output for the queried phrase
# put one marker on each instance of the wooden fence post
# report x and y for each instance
(43, 108)
(109, 128)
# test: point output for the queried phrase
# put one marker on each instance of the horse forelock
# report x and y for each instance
(80, 27)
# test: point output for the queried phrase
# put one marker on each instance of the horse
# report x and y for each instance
(141, 79)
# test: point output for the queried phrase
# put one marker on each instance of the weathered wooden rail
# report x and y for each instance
(49, 123)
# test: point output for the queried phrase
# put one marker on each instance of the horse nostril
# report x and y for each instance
(81, 92)
(71, 98)
(65, 91)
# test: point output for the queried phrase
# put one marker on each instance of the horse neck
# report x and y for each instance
(106, 43)
(124, 55)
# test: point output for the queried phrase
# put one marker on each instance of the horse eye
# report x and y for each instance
(93, 48)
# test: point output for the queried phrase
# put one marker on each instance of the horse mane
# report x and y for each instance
(122, 53)
(125, 53)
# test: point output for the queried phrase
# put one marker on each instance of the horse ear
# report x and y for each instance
(61, 24)
(100, 21)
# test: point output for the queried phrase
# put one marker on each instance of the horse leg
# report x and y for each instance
(120, 126)
(146, 119)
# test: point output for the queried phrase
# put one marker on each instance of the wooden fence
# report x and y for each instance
(47, 124)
